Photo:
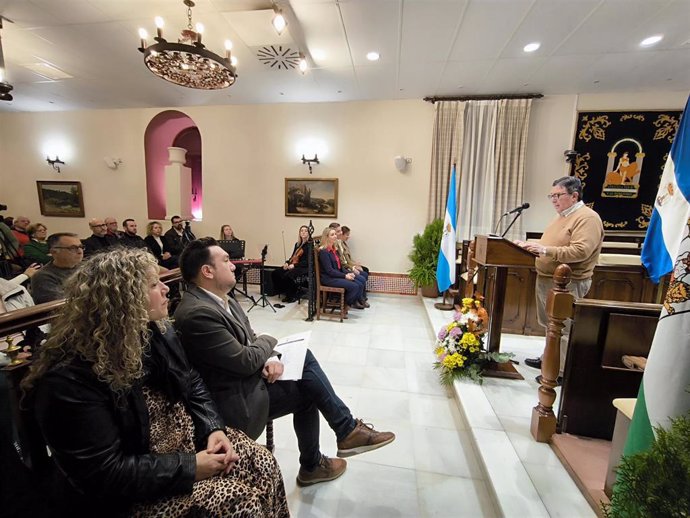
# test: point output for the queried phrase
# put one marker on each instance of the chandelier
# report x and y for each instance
(188, 62)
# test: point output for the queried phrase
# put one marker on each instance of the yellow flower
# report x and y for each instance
(467, 302)
(469, 340)
(439, 351)
(451, 326)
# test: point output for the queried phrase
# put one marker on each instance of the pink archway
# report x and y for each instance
(166, 129)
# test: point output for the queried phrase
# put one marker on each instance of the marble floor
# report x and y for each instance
(449, 459)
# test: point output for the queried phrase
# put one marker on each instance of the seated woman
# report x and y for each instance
(298, 265)
(36, 250)
(333, 273)
(130, 424)
(159, 246)
(226, 233)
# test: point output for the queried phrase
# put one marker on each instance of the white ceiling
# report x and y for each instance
(427, 48)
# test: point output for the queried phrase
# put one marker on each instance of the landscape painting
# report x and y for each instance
(61, 199)
(311, 197)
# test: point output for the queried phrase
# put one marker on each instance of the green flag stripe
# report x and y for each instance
(640, 434)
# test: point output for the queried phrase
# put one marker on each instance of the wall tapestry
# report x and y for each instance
(621, 156)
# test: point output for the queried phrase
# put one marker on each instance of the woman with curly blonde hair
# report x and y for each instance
(129, 423)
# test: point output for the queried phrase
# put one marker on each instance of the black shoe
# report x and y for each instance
(289, 300)
(535, 363)
(559, 380)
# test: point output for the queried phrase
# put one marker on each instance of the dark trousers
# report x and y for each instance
(304, 399)
(362, 279)
(284, 280)
(354, 290)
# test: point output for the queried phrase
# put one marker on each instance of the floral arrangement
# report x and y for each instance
(460, 345)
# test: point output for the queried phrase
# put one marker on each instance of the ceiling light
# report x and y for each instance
(531, 47)
(373, 56)
(5, 87)
(652, 40)
(279, 23)
(188, 62)
(302, 63)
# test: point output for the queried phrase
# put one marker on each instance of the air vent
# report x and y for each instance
(278, 57)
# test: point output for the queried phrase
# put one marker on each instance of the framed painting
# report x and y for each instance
(311, 197)
(620, 159)
(61, 199)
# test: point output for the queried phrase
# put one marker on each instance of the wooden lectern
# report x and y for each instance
(497, 254)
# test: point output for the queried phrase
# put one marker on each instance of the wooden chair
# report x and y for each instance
(323, 292)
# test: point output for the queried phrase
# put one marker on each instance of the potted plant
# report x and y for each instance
(424, 257)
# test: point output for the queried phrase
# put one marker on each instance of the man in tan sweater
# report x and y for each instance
(574, 237)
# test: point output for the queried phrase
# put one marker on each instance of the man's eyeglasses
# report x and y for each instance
(556, 196)
(73, 248)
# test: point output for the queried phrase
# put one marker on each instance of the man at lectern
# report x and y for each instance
(573, 237)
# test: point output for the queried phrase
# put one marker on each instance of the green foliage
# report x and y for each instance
(655, 483)
(424, 254)
(472, 372)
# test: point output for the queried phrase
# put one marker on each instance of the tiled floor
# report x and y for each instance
(379, 362)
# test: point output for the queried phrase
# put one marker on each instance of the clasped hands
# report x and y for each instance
(218, 457)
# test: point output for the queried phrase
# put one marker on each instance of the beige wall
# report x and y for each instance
(247, 153)
(249, 150)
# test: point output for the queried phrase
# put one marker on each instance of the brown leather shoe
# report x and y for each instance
(328, 469)
(362, 439)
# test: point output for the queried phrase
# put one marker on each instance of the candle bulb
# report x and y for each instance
(228, 49)
(159, 27)
(199, 32)
(143, 35)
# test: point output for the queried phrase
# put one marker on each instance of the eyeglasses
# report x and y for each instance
(556, 196)
(73, 248)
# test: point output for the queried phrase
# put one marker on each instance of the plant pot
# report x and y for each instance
(430, 291)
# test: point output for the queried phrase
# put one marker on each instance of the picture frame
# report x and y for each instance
(62, 199)
(311, 197)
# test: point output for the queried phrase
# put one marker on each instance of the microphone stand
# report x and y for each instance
(517, 215)
(498, 223)
(263, 300)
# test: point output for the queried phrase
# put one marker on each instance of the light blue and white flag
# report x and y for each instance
(445, 270)
(671, 207)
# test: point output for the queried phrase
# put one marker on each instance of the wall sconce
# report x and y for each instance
(55, 163)
(194, 192)
(401, 163)
(310, 161)
(112, 163)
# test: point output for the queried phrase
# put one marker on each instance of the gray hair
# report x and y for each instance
(571, 184)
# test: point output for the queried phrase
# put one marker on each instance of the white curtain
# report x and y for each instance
(477, 170)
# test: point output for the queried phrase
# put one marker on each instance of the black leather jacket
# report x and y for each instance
(101, 443)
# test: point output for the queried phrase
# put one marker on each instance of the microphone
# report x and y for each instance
(517, 209)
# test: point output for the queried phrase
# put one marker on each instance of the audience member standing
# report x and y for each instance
(159, 245)
(37, 249)
(129, 238)
(67, 252)
(99, 239)
(174, 235)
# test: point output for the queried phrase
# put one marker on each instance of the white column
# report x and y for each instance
(178, 185)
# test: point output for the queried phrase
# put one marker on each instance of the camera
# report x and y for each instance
(570, 155)
(3, 207)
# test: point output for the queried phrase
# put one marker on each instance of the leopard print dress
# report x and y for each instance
(253, 489)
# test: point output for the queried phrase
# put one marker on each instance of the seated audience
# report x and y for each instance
(159, 246)
(130, 425)
(8, 242)
(334, 274)
(67, 252)
(99, 239)
(227, 233)
(242, 370)
(13, 296)
(36, 249)
(111, 225)
(129, 237)
(19, 229)
(298, 265)
(351, 263)
(174, 235)
(360, 275)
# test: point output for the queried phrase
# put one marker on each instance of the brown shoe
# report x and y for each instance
(362, 439)
(328, 469)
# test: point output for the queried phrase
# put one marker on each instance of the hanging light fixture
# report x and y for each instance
(5, 87)
(303, 66)
(279, 22)
(188, 62)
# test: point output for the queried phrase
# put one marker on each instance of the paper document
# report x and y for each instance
(293, 350)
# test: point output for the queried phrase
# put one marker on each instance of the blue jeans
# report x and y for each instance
(304, 399)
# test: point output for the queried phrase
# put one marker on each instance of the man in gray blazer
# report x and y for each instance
(241, 369)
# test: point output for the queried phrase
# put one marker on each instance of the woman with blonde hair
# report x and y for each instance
(129, 423)
(227, 234)
(284, 279)
(334, 273)
(159, 245)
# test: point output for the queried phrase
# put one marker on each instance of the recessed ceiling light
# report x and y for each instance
(531, 47)
(373, 56)
(652, 40)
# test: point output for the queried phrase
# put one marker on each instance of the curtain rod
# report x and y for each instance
(489, 97)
